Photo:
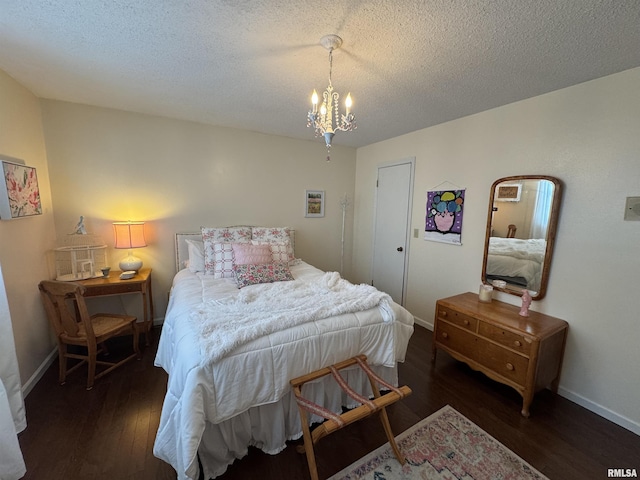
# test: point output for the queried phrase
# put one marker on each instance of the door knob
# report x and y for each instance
(399, 249)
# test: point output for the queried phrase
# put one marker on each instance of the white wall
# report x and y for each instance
(24, 242)
(586, 135)
(110, 165)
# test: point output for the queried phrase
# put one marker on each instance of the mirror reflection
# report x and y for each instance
(521, 228)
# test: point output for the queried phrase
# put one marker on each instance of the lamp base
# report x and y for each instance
(130, 263)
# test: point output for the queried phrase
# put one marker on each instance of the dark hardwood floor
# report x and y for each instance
(108, 432)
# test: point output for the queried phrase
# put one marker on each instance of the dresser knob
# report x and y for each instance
(518, 343)
(510, 366)
(445, 335)
(444, 313)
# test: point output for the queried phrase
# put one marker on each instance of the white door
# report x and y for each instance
(391, 230)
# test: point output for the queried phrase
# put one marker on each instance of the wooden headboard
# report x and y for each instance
(182, 251)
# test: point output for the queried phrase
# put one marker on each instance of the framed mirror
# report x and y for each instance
(521, 230)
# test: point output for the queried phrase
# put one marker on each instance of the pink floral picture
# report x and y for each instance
(19, 192)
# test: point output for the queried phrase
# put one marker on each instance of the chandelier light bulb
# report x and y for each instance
(348, 102)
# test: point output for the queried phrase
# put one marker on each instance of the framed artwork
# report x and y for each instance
(314, 203)
(443, 222)
(19, 191)
(508, 192)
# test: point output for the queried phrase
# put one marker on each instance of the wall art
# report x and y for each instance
(314, 203)
(19, 191)
(443, 221)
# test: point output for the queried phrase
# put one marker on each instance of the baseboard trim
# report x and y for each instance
(37, 375)
(423, 323)
(598, 409)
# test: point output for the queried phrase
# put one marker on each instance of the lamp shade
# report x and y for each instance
(129, 235)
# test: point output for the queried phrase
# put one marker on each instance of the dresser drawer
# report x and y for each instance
(502, 361)
(456, 339)
(518, 342)
(457, 318)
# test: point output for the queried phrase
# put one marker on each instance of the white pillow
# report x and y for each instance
(221, 265)
(218, 261)
(195, 249)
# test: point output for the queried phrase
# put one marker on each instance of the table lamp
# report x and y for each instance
(129, 235)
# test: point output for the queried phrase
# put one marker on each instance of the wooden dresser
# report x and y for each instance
(522, 352)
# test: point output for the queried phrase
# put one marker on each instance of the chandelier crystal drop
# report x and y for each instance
(326, 119)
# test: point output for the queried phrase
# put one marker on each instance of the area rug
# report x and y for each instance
(443, 446)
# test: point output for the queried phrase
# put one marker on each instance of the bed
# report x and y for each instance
(224, 394)
(517, 261)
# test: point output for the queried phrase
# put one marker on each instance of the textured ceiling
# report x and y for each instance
(252, 64)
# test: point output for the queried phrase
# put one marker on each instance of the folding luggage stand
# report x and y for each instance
(334, 421)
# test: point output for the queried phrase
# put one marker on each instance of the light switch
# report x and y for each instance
(632, 208)
(416, 232)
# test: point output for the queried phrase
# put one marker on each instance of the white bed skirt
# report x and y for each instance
(269, 427)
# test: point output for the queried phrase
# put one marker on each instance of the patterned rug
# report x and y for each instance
(443, 446)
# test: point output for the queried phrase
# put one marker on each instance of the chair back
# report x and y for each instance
(58, 302)
(511, 231)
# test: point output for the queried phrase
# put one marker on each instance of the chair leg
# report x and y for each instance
(62, 362)
(91, 360)
(136, 340)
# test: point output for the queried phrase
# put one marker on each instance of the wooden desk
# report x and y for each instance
(113, 285)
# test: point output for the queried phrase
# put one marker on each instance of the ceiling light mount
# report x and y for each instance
(326, 119)
(331, 42)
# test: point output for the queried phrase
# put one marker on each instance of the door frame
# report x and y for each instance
(405, 278)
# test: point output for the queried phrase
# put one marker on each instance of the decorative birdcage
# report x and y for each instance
(79, 257)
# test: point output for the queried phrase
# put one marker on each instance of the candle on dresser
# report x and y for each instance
(485, 293)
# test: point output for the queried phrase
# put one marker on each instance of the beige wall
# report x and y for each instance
(110, 165)
(587, 136)
(24, 242)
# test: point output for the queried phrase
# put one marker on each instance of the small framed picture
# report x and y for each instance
(508, 192)
(314, 203)
(19, 191)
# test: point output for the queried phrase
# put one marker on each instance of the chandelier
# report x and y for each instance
(327, 120)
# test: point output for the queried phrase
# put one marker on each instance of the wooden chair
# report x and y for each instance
(511, 231)
(74, 326)
(334, 421)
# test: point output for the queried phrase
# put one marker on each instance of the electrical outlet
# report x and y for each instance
(632, 208)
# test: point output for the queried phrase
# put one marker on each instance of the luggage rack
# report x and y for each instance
(335, 422)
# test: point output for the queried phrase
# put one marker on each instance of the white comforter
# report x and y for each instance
(243, 398)
(513, 257)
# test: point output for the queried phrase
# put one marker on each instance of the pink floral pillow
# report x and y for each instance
(245, 253)
(271, 234)
(251, 273)
(226, 234)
